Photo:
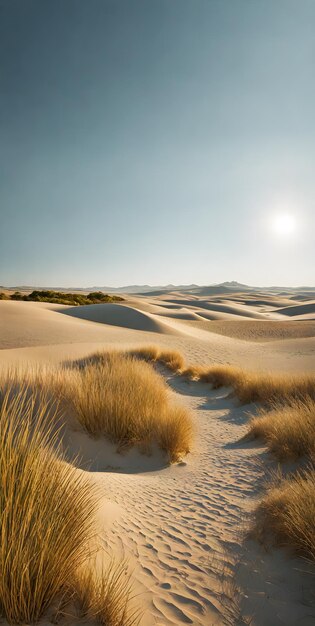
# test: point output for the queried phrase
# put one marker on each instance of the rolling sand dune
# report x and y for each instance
(259, 330)
(116, 315)
(225, 308)
(30, 330)
(180, 314)
(182, 527)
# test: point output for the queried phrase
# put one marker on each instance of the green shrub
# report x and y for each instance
(71, 299)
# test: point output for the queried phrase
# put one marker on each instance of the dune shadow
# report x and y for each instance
(101, 456)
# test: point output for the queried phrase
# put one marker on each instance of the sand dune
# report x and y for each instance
(29, 324)
(219, 315)
(35, 330)
(259, 330)
(224, 307)
(116, 315)
(180, 314)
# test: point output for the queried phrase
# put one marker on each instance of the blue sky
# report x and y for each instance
(153, 141)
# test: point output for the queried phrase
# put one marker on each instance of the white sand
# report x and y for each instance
(181, 527)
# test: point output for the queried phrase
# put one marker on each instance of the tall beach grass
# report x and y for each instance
(47, 509)
(286, 514)
(116, 396)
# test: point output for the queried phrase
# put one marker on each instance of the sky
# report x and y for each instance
(157, 141)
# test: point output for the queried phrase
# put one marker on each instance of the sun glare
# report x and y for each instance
(284, 224)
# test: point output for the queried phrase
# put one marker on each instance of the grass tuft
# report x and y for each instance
(176, 433)
(172, 359)
(105, 598)
(116, 396)
(46, 509)
(259, 387)
(288, 430)
(287, 513)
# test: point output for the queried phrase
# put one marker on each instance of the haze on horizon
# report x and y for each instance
(157, 142)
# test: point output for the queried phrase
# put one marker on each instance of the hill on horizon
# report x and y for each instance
(201, 290)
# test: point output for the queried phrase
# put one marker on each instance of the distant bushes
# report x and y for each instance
(60, 297)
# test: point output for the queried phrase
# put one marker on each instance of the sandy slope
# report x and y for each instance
(181, 527)
(259, 330)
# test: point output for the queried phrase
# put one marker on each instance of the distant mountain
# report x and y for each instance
(192, 288)
(198, 290)
(137, 289)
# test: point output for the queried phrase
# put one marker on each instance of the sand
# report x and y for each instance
(182, 527)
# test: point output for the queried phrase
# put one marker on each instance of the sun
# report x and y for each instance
(284, 224)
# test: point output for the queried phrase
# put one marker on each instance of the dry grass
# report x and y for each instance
(116, 396)
(172, 359)
(270, 388)
(249, 386)
(287, 513)
(105, 598)
(46, 509)
(256, 387)
(216, 375)
(175, 433)
(288, 430)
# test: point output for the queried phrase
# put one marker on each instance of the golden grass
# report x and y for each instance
(287, 513)
(256, 387)
(172, 359)
(216, 375)
(105, 598)
(288, 430)
(46, 509)
(47, 506)
(116, 396)
(175, 433)
(270, 388)
(263, 387)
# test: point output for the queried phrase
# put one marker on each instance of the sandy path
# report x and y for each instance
(183, 527)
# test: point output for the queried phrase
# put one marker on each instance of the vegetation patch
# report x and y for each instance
(287, 429)
(117, 396)
(258, 387)
(105, 599)
(46, 509)
(71, 299)
(172, 359)
(286, 514)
